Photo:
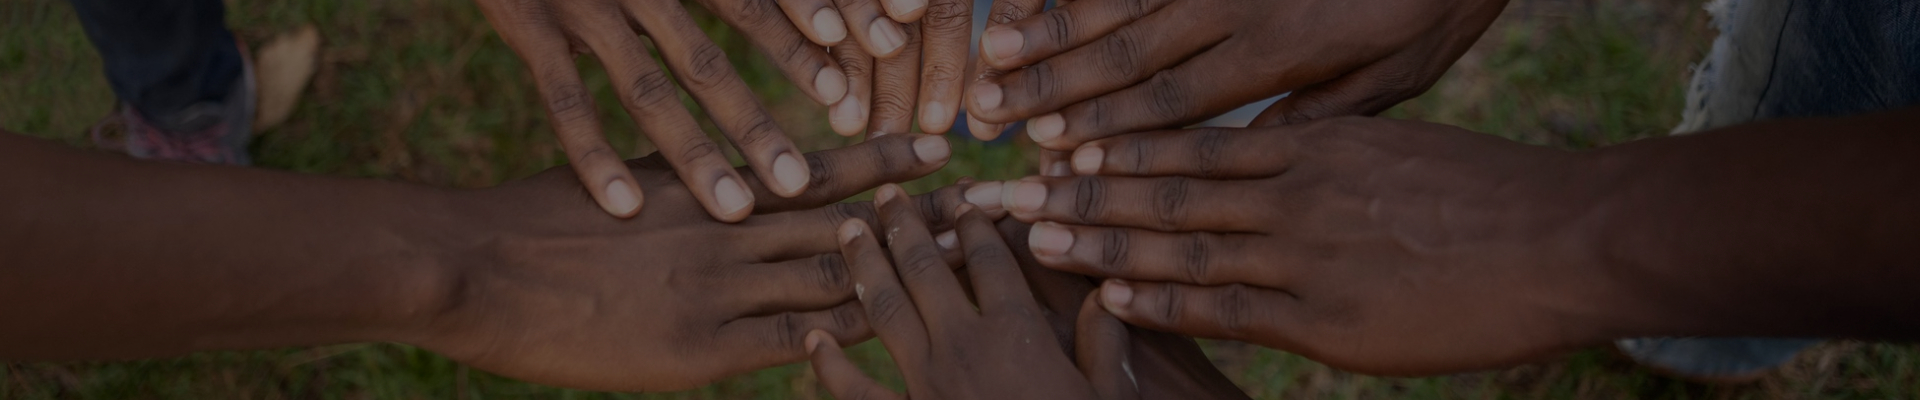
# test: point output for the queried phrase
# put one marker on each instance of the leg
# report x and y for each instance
(179, 74)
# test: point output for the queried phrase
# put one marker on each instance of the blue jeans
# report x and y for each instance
(163, 56)
(1785, 59)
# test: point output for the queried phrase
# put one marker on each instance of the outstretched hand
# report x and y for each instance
(1378, 246)
(547, 34)
(556, 293)
(1096, 68)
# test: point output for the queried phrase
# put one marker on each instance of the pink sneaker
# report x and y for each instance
(219, 135)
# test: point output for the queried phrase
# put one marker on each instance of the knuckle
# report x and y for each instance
(1194, 259)
(1116, 251)
(1008, 11)
(1134, 9)
(1208, 147)
(755, 14)
(709, 66)
(1059, 27)
(1235, 310)
(940, 72)
(695, 147)
(1170, 99)
(650, 89)
(888, 100)
(885, 306)
(919, 261)
(1172, 311)
(830, 272)
(852, 65)
(782, 332)
(931, 210)
(1120, 54)
(1089, 200)
(987, 255)
(1040, 81)
(570, 103)
(1170, 202)
(947, 17)
(757, 131)
(845, 318)
(820, 172)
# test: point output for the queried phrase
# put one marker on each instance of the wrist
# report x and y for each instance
(440, 245)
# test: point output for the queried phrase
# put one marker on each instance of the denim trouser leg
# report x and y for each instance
(163, 56)
(1784, 59)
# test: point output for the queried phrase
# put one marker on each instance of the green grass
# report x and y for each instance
(423, 91)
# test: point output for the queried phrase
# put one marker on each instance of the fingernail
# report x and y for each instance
(1115, 295)
(885, 35)
(791, 173)
(828, 26)
(885, 194)
(814, 338)
(1058, 168)
(621, 199)
(832, 84)
(933, 113)
(1046, 127)
(732, 196)
(875, 135)
(932, 149)
(1086, 161)
(1003, 43)
(986, 196)
(986, 96)
(1049, 239)
(947, 240)
(850, 231)
(1026, 196)
(846, 117)
(898, 9)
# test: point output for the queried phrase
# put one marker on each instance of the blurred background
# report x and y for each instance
(424, 91)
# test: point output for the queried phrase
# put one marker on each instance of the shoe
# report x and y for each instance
(207, 133)
(1713, 360)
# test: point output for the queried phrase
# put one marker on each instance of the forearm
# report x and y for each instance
(106, 257)
(1786, 228)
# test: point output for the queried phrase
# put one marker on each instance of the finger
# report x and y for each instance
(1170, 204)
(998, 286)
(843, 172)
(1186, 94)
(1001, 12)
(946, 32)
(1053, 163)
(769, 340)
(804, 63)
(570, 108)
(1059, 293)
(1101, 349)
(1128, 56)
(704, 71)
(804, 233)
(840, 376)
(896, 86)
(1232, 312)
(1067, 26)
(817, 19)
(1367, 91)
(849, 116)
(1198, 258)
(906, 11)
(1208, 153)
(890, 310)
(927, 278)
(879, 36)
(809, 283)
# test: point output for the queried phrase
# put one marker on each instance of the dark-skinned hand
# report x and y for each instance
(1373, 245)
(669, 299)
(1095, 68)
(945, 346)
(548, 33)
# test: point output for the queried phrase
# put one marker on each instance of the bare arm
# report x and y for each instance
(106, 257)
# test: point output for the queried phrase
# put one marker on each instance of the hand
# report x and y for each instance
(1378, 246)
(547, 34)
(557, 294)
(945, 348)
(1165, 365)
(1096, 68)
(918, 66)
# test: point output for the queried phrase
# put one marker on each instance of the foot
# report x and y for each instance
(205, 133)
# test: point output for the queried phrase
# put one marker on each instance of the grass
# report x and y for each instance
(423, 91)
